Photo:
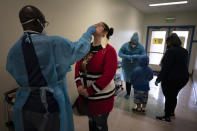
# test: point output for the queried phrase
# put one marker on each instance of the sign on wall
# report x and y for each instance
(157, 41)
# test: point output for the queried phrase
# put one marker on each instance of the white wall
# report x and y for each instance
(195, 69)
(182, 18)
(68, 18)
(195, 76)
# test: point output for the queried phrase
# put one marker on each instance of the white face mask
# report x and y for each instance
(26, 22)
(133, 46)
(44, 32)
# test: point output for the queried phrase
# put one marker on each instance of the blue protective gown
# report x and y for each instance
(130, 56)
(55, 55)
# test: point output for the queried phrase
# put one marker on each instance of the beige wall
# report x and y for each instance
(182, 18)
(68, 18)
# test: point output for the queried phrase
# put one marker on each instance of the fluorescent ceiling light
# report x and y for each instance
(169, 3)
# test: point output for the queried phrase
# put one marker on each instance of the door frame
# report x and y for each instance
(169, 28)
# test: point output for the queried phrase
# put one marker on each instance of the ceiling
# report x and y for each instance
(143, 6)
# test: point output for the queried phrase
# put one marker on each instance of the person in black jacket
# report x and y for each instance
(174, 74)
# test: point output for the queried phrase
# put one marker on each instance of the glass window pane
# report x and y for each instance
(157, 46)
(183, 35)
(158, 41)
(155, 58)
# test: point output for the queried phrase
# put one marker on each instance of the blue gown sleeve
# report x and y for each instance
(68, 52)
(122, 54)
(142, 52)
(9, 63)
(10, 68)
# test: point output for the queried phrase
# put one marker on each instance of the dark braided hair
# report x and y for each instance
(109, 31)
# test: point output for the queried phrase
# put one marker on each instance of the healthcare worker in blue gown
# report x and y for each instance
(39, 64)
(130, 52)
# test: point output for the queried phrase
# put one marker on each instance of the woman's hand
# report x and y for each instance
(80, 89)
(85, 93)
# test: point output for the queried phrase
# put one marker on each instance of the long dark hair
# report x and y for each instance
(174, 40)
(107, 29)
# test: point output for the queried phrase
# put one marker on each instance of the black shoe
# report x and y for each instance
(172, 115)
(163, 118)
(143, 110)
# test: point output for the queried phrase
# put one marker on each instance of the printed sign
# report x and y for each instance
(157, 41)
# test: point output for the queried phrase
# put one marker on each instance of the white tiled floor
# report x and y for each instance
(120, 120)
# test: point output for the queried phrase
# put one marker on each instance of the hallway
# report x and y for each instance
(68, 20)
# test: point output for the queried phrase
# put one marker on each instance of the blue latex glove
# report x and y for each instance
(156, 83)
(135, 56)
(130, 57)
(91, 30)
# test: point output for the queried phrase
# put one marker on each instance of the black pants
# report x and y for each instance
(128, 88)
(171, 90)
(37, 122)
(98, 122)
